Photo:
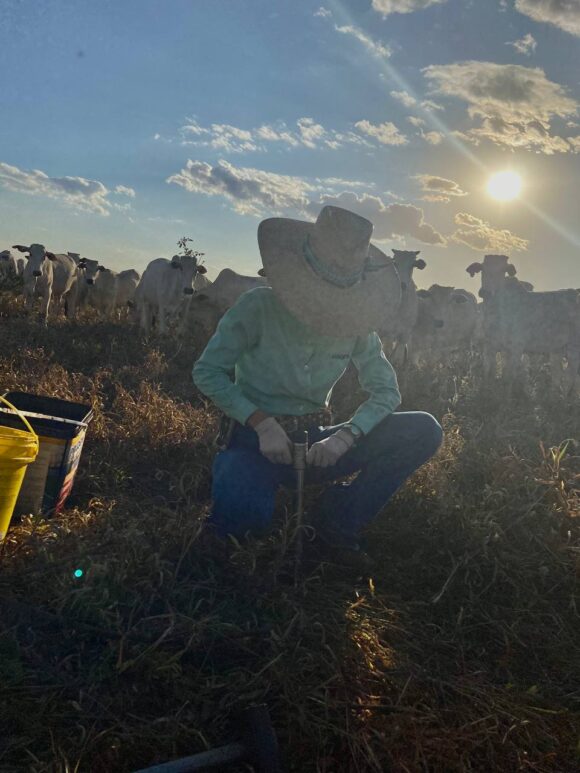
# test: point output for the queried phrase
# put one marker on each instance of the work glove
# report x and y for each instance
(327, 452)
(275, 444)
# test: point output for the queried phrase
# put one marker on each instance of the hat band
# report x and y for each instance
(339, 280)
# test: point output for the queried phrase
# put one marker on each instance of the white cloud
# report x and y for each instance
(428, 104)
(390, 221)
(385, 133)
(404, 97)
(249, 191)
(438, 188)
(386, 7)
(76, 192)
(564, 14)
(512, 105)
(416, 121)
(479, 235)
(323, 12)
(123, 190)
(525, 45)
(377, 49)
(231, 139)
(433, 138)
(255, 192)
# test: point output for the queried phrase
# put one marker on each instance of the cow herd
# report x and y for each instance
(429, 326)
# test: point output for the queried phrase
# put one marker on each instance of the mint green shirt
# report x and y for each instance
(262, 357)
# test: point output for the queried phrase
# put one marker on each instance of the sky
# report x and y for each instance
(127, 124)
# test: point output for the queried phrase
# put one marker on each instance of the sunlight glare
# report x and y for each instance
(504, 186)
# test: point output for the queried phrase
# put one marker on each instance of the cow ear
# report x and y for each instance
(423, 294)
(475, 268)
(176, 261)
(201, 270)
(262, 272)
(417, 252)
(459, 299)
(420, 264)
(21, 248)
(511, 270)
(50, 255)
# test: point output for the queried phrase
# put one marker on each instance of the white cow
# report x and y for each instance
(446, 323)
(8, 265)
(397, 336)
(163, 287)
(209, 304)
(102, 284)
(127, 283)
(518, 321)
(46, 275)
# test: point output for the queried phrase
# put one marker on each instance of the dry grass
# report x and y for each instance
(461, 654)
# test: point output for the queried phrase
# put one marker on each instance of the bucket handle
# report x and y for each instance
(20, 414)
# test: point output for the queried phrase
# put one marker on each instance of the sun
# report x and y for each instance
(504, 186)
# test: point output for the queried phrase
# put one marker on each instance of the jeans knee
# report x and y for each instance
(429, 431)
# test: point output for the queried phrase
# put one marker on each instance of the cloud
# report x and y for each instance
(385, 133)
(376, 49)
(433, 138)
(323, 12)
(438, 188)
(391, 221)
(230, 139)
(479, 235)
(525, 45)
(404, 97)
(249, 191)
(512, 105)
(416, 121)
(386, 7)
(123, 190)
(255, 192)
(564, 14)
(76, 192)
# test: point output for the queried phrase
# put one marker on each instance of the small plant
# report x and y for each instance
(189, 251)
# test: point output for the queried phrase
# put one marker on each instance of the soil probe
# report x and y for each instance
(300, 449)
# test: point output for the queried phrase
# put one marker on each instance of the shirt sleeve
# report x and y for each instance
(213, 372)
(377, 377)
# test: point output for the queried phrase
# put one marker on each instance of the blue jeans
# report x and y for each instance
(245, 482)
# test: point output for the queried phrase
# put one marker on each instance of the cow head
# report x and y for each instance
(189, 267)
(37, 254)
(91, 268)
(494, 270)
(406, 261)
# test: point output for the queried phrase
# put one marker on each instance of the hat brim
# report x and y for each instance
(324, 307)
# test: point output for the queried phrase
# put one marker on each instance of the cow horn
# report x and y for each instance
(474, 268)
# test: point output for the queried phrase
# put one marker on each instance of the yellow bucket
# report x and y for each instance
(18, 448)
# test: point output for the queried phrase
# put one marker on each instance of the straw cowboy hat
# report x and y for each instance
(328, 274)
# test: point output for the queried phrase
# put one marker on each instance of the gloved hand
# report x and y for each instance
(327, 452)
(275, 444)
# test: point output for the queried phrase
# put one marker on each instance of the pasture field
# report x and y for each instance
(461, 653)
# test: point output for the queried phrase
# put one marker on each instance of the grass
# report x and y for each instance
(461, 653)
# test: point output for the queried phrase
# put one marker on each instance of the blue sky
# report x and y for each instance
(129, 123)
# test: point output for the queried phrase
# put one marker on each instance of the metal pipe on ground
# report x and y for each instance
(299, 449)
(258, 746)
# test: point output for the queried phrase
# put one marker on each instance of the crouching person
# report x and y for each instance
(271, 366)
